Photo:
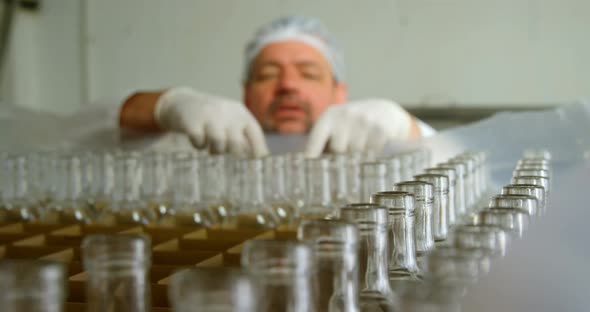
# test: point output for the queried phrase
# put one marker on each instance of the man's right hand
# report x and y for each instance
(220, 124)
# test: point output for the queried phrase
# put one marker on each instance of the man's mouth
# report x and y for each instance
(289, 111)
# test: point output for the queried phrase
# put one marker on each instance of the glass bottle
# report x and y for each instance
(373, 177)
(407, 160)
(402, 237)
(394, 174)
(103, 178)
(450, 174)
(469, 182)
(528, 189)
(489, 238)
(275, 190)
(440, 204)
(514, 221)
(284, 272)
(525, 203)
(68, 204)
(187, 207)
(535, 180)
(354, 176)
(251, 212)
(213, 289)
(459, 267)
(155, 181)
(423, 195)
(460, 203)
(32, 285)
(18, 200)
(215, 184)
(372, 222)
(530, 172)
(295, 173)
(118, 268)
(318, 197)
(126, 205)
(340, 179)
(335, 245)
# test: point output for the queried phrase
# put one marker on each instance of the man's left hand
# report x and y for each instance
(365, 125)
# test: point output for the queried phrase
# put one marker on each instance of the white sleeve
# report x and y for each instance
(425, 129)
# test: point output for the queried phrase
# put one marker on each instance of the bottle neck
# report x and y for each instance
(127, 177)
(373, 258)
(318, 191)
(186, 180)
(275, 177)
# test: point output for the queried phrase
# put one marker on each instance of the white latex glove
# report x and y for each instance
(365, 125)
(222, 125)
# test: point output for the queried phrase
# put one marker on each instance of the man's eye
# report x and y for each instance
(311, 75)
(266, 75)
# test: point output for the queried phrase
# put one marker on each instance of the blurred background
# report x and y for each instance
(447, 61)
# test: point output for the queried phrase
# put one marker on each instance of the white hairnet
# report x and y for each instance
(305, 29)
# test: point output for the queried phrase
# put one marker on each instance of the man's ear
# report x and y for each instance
(340, 93)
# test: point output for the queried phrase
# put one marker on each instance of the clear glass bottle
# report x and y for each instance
(440, 204)
(407, 160)
(213, 289)
(473, 162)
(32, 286)
(402, 237)
(514, 221)
(100, 188)
(354, 176)
(530, 172)
(318, 196)
(340, 180)
(18, 199)
(187, 207)
(460, 203)
(284, 272)
(469, 182)
(215, 184)
(528, 189)
(126, 205)
(535, 180)
(251, 212)
(373, 177)
(537, 153)
(69, 204)
(295, 173)
(451, 266)
(450, 174)
(394, 174)
(489, 238)
(423, 195)
(275, 189)
(335, 244)
(155, 181)
(525, 203)
(118, 267)
(535, 165)
(372, 222)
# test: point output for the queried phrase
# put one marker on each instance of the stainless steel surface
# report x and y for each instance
(548, 270)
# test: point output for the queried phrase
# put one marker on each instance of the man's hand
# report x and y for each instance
(220, 124)
(360, 126)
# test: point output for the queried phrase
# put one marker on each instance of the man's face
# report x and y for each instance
(289, 86)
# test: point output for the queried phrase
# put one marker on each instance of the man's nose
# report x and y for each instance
(288, 80)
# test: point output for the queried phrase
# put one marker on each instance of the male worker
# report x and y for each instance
(293, 83)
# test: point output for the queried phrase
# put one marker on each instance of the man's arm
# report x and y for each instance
(137, 111)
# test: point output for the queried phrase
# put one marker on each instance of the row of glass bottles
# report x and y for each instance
(190, 188)
(336, 266)
(384, 239)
